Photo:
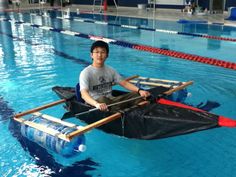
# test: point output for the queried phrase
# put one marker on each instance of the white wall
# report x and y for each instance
(169, 2)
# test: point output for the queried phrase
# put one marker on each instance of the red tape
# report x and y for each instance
(226, 122)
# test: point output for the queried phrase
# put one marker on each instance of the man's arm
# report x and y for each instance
(133, 88)
(88, 99)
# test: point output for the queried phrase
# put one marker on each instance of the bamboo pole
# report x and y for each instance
(94, 125)
(40, 108)
(128, 78)
(178, 88)
(132, 77)
(151, 83)
(155, 79)
(110, 105)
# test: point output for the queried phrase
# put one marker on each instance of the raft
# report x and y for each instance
(160, 118)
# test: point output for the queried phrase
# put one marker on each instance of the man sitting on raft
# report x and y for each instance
(97, 79)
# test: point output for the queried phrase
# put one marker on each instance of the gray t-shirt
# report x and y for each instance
(98, 81)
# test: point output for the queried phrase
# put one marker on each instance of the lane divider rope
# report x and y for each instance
(167, 52)
(148, 29)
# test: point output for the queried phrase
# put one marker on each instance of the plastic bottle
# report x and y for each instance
(179, 96)
(64, 148)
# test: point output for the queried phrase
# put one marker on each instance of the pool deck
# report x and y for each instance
(150, 13)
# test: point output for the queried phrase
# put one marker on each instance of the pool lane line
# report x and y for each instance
(152, 29)
(147, 29)
(167, 52)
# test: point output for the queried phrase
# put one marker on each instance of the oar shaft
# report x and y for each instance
(131, 99)
(40, 108)
(110, 105)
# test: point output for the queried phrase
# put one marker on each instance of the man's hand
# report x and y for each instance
(101, 106)
(144, 93)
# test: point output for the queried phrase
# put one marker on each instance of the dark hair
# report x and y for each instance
(101, 44)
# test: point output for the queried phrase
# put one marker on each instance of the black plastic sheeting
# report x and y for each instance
(156, 121)
(152, 121)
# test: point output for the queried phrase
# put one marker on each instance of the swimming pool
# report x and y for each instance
(33, 60)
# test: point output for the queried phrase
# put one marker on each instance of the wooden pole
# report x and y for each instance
(161, 80)
(178, 88)
(150, 83)
(131, 77)
(110, 105)
(40, 108)
(94, 125)
(128, 79)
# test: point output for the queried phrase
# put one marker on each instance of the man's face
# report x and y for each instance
(99, 55)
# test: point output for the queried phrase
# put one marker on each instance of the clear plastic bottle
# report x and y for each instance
(64, 148)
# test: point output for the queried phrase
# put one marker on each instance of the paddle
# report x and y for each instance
(118, 115)
(110, 105)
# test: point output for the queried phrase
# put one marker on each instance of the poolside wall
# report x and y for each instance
(230, 3)
(168, 4)
(206, 3)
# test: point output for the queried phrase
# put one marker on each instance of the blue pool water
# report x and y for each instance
(34, 60)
